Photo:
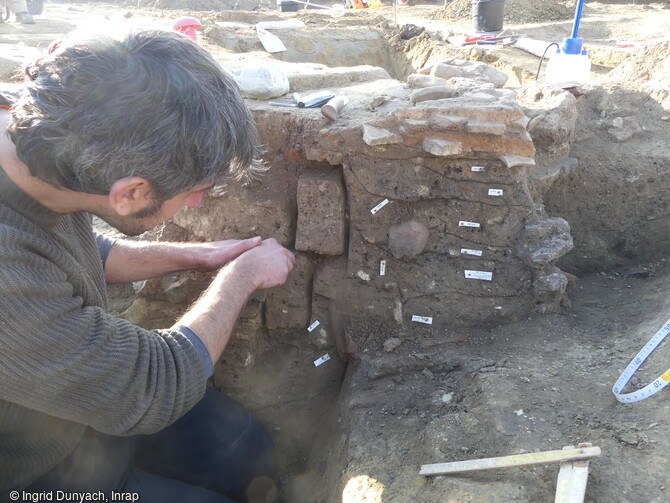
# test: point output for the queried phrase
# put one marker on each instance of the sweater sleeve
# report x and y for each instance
(79, 363)
(105, 244)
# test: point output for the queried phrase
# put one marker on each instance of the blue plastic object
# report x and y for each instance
(573, 44)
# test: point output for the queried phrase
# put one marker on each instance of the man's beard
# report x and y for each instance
(134, 224)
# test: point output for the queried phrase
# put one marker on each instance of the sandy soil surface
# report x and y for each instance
(535, 385)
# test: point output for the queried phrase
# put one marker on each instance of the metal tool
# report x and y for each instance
(311, 101)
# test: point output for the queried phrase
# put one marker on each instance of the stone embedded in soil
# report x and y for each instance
(374, 136)
(418, 81)
(459, 68)
(549, 289)
(553, 116)
(441, 147)
(391, 344)
(432, 93)
(442, 71)
(545, 242)
(408, 239)
(516, 160)
(288, 307)
(321, 220)
(494, 128)
(624, 128)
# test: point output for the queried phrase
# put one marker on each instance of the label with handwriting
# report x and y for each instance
(379, 206)
(483, 275)
(428, 320)
(321, 360)
(476, 253)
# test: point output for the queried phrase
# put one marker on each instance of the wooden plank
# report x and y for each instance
(563, 482)
(572, 479)
(533, 458)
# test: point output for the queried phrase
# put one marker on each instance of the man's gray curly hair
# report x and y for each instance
(153, 104)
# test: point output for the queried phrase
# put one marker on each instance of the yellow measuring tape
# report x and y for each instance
(652, 388)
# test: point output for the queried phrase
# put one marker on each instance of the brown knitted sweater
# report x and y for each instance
(64, 362)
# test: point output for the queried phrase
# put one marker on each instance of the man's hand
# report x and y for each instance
(212, 256)
(214, 315)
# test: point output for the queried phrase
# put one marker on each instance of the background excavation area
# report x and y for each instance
(522, 362)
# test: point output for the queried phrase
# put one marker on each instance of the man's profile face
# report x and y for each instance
(155, 212)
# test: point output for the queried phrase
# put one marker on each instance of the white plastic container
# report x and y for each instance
(568, 70)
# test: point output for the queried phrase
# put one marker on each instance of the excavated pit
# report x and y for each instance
(403, 207)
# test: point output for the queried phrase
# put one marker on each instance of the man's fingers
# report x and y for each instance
(244, 245)
(252, 242)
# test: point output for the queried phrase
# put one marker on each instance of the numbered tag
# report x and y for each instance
(382, 268)
(321, 360)
(379, 206)
(476, 169)
(476, 253)
(483, 275)
(463, 223)
(495, 192)
(422, 319)
(313, 326)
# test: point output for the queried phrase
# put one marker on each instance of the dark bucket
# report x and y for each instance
(289, 6)
(487, 15)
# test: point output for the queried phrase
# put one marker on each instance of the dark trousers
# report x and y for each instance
(216, 453)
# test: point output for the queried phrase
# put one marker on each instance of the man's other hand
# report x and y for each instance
(214, 255)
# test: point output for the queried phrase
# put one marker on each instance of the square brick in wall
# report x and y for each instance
(321, 215)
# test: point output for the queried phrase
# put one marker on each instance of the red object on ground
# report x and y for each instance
(479, 36)
(187, 26)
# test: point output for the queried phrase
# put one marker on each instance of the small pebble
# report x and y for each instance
(391, 344)
(427, 373)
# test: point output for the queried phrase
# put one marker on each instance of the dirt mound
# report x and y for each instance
(648, 68)
(649, 64)
(342, 19)
(516, 11)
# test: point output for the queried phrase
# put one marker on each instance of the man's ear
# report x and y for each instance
(130, 195)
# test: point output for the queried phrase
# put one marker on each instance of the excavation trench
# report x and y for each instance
(398, 393)
(417, 227)
(408, 217)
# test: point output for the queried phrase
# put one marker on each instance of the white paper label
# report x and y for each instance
(422, 319)
(495, 192)
(468, 224)
(477, 168)
(321, 360)
(382, 268)
(465, 251)
(379, 206)
(486, 276)
(313, 326)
